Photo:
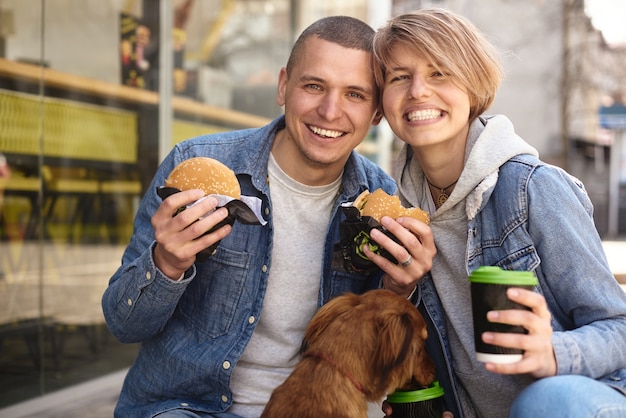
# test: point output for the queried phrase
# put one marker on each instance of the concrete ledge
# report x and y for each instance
(95, 398)
(616, 254)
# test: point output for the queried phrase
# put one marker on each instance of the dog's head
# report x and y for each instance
(379, 336)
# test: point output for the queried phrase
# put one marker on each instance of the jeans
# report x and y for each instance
(569, 396)
(183, 413)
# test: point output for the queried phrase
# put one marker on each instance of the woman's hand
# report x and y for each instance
(538, 360)
(179, 238)
(415, 254)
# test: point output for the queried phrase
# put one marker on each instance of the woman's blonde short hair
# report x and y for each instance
(451, 43)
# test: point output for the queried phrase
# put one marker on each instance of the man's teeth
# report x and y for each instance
(424, 114)
(326, 132)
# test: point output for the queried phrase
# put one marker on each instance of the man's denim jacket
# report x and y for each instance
(193, 332)
(538, 218)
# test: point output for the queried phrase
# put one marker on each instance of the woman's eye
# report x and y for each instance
(399, 77)
(442, 74)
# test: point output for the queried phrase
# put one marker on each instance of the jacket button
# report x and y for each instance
(264, 268)
(184, 404)
(267, 211)
(129, 302)
(224, 398)
(251, 320)
(148, 275)
(226, 365)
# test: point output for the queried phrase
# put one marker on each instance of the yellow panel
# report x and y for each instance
(121, 187)
(182, 130)
(70, 129)
(17, 183)
(74, 186)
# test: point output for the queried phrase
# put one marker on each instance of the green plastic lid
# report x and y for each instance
(496, 275)
(431, 392)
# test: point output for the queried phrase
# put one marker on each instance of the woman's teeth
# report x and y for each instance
(424, 115)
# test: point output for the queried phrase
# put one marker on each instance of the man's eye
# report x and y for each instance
(313, 87)
(356, 95)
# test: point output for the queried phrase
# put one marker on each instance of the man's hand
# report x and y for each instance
(179, 238)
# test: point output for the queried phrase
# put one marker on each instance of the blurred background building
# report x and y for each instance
(93, 93)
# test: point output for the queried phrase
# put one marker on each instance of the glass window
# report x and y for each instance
(81, 128)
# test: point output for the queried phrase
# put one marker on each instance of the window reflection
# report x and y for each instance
(79, 129)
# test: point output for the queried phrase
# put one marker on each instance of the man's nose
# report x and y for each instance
(331, 107)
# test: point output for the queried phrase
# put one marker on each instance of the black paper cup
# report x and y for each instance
(421, 403)
(488, 286)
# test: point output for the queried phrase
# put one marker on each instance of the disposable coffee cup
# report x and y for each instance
(489, 285)
(421, 403)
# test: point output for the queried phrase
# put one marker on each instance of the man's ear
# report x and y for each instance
(282, 85)
(378, 116)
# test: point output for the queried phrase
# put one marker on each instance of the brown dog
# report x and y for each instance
(356, 349)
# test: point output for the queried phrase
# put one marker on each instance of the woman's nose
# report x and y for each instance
(419, 87)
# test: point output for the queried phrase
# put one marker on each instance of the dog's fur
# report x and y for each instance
(356, 349)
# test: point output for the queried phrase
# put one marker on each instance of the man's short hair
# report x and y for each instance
(346, 31)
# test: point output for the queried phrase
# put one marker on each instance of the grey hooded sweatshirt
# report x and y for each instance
(490, 143)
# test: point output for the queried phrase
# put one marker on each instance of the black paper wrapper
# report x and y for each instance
(237, 211)
(354, 233)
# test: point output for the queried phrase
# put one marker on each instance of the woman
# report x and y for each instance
(493, 202)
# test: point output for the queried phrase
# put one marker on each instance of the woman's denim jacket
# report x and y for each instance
(538, 218)
(193, 332)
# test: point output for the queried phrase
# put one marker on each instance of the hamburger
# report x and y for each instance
(378, 204)
(212, 177)
(207, 174)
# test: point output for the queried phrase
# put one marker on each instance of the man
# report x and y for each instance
(219, 335)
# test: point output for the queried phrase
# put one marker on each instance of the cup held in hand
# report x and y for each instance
(488, 288)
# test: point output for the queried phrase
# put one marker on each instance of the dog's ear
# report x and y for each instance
(326, 315)
(413, 329)
(423, 368)
(394, 341)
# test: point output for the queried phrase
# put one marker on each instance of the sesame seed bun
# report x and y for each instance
(378, 204)
(206, 174)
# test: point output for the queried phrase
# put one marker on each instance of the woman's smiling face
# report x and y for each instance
(423, 105)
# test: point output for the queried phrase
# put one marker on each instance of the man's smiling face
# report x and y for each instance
(330, 103)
